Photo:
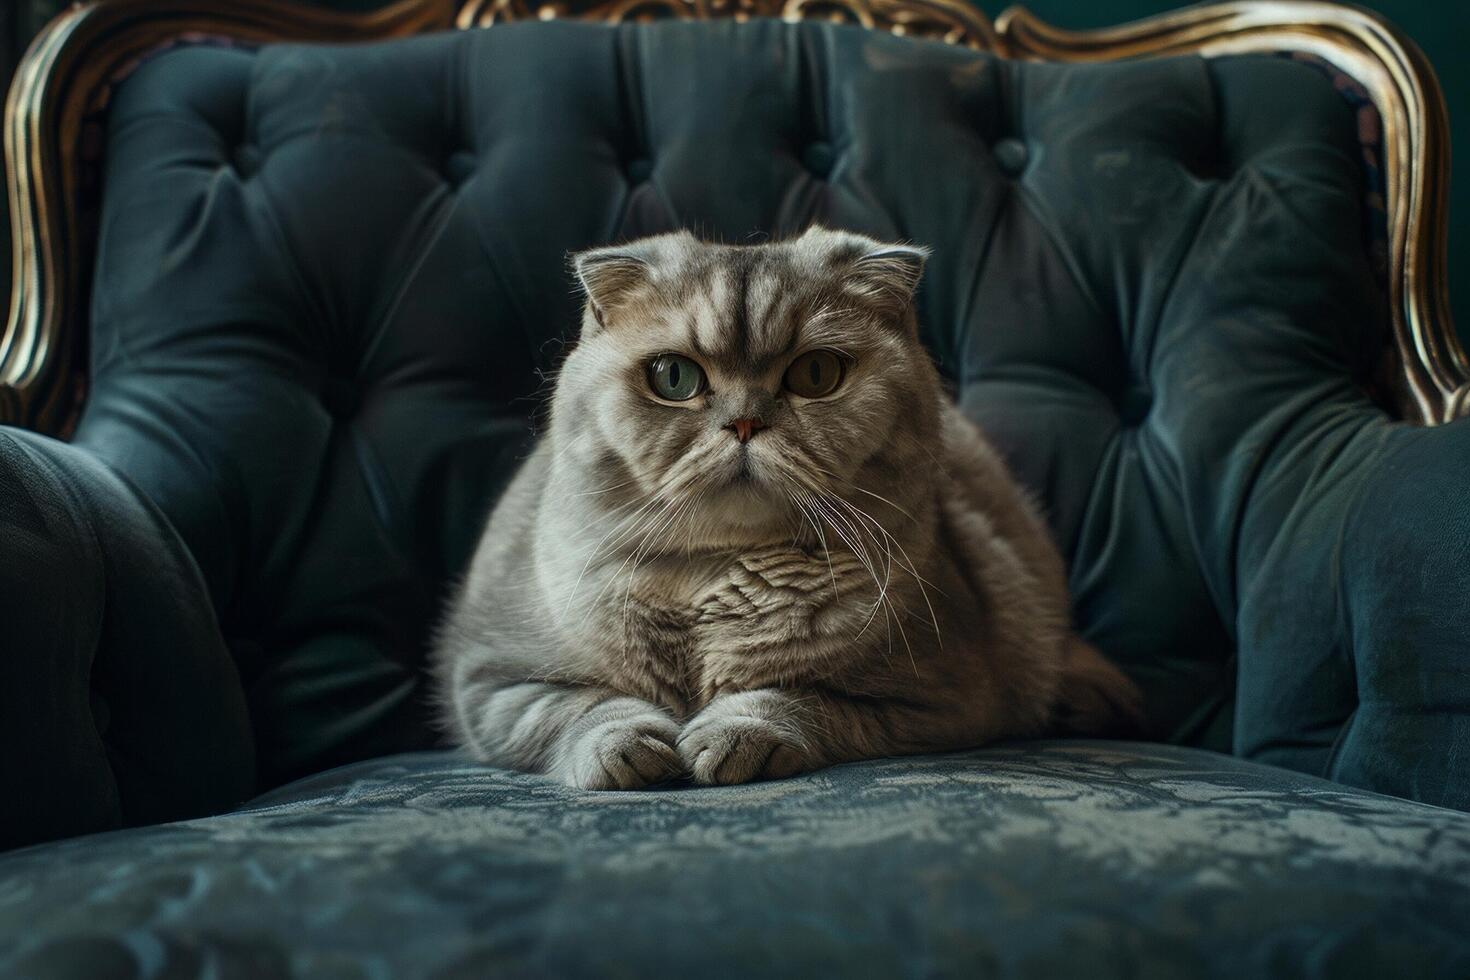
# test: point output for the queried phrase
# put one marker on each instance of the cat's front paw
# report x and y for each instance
(729, 749)
(629, 753)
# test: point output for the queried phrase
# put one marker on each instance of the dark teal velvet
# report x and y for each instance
(1405, 614)
(1441, 30)
(118, 701)
(329, 279)
(1112, 861)
(331, 282)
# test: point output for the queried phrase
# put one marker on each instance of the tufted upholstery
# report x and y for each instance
(331, 280)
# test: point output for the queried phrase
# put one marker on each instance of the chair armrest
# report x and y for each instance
(1405, 606)
(1354, 625)
(119, 703)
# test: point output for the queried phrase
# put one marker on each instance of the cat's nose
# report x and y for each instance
(745, 428)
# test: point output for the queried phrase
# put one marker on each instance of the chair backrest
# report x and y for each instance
(330, 282)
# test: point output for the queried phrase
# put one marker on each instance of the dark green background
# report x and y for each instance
(1441, 27)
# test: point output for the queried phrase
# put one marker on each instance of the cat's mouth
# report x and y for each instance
(745, 468)
(745, 477)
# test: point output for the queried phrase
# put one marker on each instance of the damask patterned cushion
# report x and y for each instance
(1047, 860)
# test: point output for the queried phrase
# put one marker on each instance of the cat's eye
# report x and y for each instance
(675, 378)
(815, 373)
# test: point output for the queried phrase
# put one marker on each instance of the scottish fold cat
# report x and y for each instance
(757, 538)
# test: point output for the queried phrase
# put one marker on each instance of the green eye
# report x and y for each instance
(675, 378)
(814, 374)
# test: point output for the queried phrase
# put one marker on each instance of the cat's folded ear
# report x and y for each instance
(611, 277)
(887, 275)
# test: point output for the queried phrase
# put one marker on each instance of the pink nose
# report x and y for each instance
(745, 428)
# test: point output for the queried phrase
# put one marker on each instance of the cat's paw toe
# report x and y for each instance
(724, 751)
(626, 754)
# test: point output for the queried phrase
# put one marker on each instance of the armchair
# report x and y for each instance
(282, 313)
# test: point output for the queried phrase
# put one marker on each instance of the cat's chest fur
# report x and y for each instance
(693, 629)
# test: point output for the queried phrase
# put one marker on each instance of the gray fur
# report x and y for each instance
(654, 598)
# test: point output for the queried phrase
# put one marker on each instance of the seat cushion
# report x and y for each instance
(1039, 860)
(331, 282)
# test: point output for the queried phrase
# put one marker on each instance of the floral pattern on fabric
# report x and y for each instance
(1049, 859)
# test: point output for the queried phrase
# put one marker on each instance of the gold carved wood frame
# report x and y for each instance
(61, 87)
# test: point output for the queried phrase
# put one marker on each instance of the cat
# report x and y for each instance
(757, 539)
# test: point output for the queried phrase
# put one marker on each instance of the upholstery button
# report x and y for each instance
(639, 169)
(1011, 155)
(459, 167)
(819, 158)
(101, 716)
(339, 397)
(1133, 407)
(245, 159)
(1206, 166)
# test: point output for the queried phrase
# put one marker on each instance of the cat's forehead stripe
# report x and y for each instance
(762, 298)
(708, 300)
(743, 309)
(737, 310)
(740, 307)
